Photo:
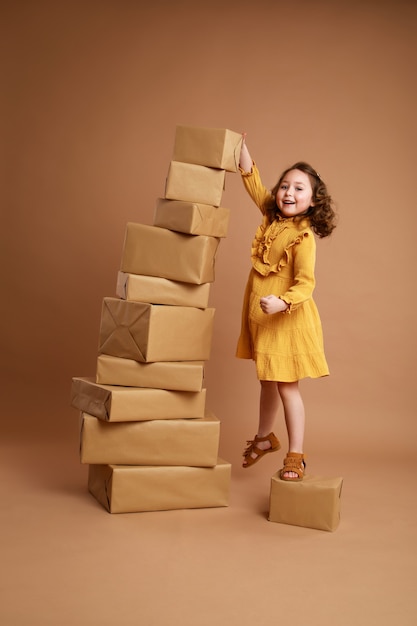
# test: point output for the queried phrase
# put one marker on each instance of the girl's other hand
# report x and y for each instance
(272, 304)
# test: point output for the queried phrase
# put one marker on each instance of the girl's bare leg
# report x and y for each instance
(294, 417)
(268, 407)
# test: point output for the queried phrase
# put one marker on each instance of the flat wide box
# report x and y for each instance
(151, 332)
(130, 404)
(213, 147)
(157, 290)
(135, 489)
(189, 442)
(313, 502)
(173, 375)
(192, 218)
(194, 183)
(160, 252)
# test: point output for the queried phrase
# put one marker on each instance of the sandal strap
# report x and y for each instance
(294, 456)
(294, 462)
(257, 438)
(272, 438)
(252, 447)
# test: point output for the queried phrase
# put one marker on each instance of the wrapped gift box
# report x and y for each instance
(160, 252)
(191, 218)
(173, 375)
(213, 147)
(313, 502)
(134, 489)
(151, 332)
(194, 183)
(189, 442)
(157, 290)
(130, 404)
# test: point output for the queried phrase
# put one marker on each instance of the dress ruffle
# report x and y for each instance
(264, 239)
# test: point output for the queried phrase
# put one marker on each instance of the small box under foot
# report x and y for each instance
(313, 502)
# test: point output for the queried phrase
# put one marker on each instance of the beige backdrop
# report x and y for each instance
(92, 94)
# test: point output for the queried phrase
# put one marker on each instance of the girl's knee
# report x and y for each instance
(286, 389)
(268, 383)
(269, 386)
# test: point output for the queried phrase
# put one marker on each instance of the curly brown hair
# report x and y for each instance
(322, 215)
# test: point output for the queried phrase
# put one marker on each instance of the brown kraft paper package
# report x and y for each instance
(213, 147)
(134, 489)
(173, 375)
(194, 183)
(189, 442)
(156, 290)
(313, 503)
(132, 404)
(191, 217)
(148, 332)
(163, 253)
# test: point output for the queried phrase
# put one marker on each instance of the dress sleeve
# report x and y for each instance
(255, 188)
(304, 259)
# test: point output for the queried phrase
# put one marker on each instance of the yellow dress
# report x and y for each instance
(285, 346)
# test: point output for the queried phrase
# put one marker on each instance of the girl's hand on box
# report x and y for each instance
(272, 304)
(245, 161)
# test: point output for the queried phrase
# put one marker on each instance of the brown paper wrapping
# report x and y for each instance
(173, 375)
(194, 183)
(160, 252)
(213, 147)
(157, 290)
(130, 404)
(147, 332)
(191, 218)
(134, 489)
(190, 442)
(313, 503)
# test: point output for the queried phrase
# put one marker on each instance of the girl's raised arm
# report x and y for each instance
(245, 161)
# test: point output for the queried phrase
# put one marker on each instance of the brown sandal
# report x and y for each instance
(293, 462)
(253, 448)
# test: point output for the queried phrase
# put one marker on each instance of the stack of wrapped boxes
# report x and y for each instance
(146, 433)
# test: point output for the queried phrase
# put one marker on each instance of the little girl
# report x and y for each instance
(281, 329)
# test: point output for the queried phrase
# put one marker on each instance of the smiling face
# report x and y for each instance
(295, 194)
